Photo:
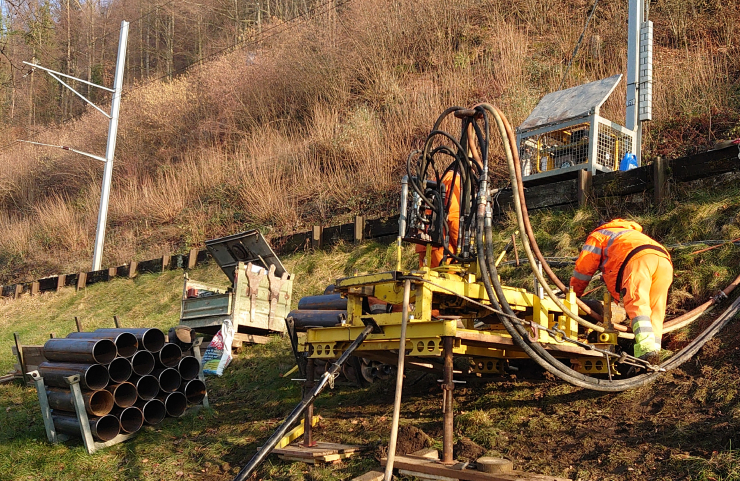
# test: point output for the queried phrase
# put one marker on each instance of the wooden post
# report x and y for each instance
(34, 288)
(192, 258)
(21, 360)
(79, 325)
(81, 280)
(660, 176)
(61, 281)
(585, 181)
(112, 272)
(132, 269)
(18, 290)
(359, 228)
(166, 262)
(317, 237)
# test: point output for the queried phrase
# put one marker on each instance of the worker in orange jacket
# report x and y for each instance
(452, 221)
(636, 269)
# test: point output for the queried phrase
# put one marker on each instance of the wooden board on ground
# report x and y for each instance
(370, 476)
(29, 361)
(425, 467)
(321, 452)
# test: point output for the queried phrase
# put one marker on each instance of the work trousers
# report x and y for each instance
(647, 278)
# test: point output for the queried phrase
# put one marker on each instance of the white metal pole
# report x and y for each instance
(111, 148)
(636, 9)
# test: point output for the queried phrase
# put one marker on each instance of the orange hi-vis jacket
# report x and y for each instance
(606, 249)
(453, 220)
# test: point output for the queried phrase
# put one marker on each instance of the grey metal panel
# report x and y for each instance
(575, 102)
(245, 247)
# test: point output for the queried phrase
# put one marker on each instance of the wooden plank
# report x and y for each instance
(94, 277)
(60, 281)
(425, 477)
(166, 258)
(426, 466)
(359, 229)
(621, 183)
(81, 280)
(192, 258)
(151, 266)
(34, 288)
(705, 164)
(48, 284)
(585, 185)
(316, 237)
(112, 272)
(337, 233)
(387, 226)
(251, 338)
(370, 476)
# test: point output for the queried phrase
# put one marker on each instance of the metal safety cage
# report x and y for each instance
(565, 133)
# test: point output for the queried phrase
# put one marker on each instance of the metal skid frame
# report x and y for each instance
(79, 404)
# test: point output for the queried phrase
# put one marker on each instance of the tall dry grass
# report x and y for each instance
(314, 125)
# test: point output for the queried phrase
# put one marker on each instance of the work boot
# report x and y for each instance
(644, 337)
(653, 357)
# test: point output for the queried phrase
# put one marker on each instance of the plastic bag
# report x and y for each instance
(218, 353)
(628, 162)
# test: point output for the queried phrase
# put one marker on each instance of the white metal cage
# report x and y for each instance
(565, 133)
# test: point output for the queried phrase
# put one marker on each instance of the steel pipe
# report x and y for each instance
(326, 302)
(152, 409)
(324, 318)
(103, 428)
(142, 363)
(120, 370)
(126, 343)
(169, 355)
(194, 390)
(131, 418)
(188, 367)
(92, 351)
(97, 403)
(183, 336)
(124, 394)
(150, 339)
(92, 376)
(147, 387)
(169, 379)
(174, 403)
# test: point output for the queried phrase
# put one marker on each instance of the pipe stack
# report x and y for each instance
(128, 377)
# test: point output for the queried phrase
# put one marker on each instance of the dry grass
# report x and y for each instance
(314, 125)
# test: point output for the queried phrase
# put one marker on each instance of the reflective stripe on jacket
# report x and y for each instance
(605, 250)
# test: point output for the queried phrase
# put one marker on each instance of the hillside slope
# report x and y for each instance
(682, 427)
(312, 125)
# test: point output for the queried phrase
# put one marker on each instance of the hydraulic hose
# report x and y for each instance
(528, 226)
(533, 349)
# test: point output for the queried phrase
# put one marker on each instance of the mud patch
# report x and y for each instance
(411, 439)
(467, 450)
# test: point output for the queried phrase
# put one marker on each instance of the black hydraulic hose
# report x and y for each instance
(298, 411)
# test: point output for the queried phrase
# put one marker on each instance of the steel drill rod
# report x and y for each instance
(147, 386)
(92, 376)
(97, 403)
(270, 444)
(188, 367)
(142, 363)
(153, 410)
(169, 355)
(151, 339)
(125, 342)
(103, 428)
(388, 474)
(92, 351)
(305, 319)
(330, 302)
(119, 370)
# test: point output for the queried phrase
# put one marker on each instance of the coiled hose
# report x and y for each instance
(518, 333)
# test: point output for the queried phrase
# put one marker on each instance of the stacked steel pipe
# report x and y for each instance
(128, 377)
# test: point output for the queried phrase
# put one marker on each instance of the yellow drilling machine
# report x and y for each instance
(453, 304)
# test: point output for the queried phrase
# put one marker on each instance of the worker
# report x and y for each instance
(452, 222)
(635, 269)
